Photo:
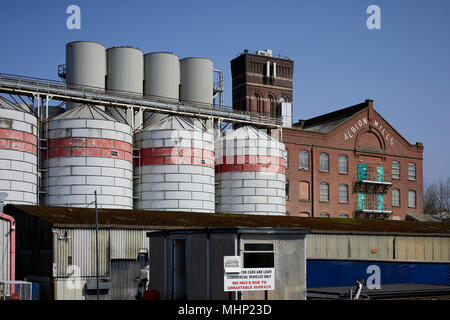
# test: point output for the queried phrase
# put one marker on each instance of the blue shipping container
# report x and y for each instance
(336, 273)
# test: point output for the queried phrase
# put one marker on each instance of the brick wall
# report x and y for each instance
(359, 144)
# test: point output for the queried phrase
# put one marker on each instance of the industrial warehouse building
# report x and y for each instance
(51, 239)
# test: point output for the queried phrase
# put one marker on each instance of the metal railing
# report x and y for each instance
(59, 90)
(371, 175)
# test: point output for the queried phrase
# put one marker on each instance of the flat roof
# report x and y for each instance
(169, 220)
(238, 230)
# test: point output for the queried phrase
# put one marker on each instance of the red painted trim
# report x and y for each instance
(250, 167)
(12, 134)
(18, 140)
(254, 160)
(12, 246)
(89, 147)
(173, 155)
(18, 146)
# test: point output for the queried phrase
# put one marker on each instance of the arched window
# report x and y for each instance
(272, 105)
(303, 189)
(324, 192)
(411, 199)
(343, 215)
(343, 163)
(324, 215)
(411, 171)
(324, 163)
(395, 170)
(303, 160)
(304, 214)
(343, 193)
(396, 197)
(258, 103)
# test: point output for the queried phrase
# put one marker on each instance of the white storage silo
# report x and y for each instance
(250, 173)
(125, 72)
(161, 80)
(89, 150)
(162, 75)
(196, 80)
(18, 153)
(176, 167)
(85, 65)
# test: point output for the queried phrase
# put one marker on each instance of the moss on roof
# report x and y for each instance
(115, 218)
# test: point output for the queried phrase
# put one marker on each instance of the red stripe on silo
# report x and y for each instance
(251, 163)
(11, 134)
(173, 155)
(249, 167)
(18, 140)
(100, 143)
(89, 147)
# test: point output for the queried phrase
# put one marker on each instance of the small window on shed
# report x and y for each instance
(258, 255)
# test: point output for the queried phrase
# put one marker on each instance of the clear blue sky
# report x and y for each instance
(404, 67)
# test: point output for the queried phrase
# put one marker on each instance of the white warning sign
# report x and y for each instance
(250, 280)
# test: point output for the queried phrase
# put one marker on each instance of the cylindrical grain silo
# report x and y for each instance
(175, 167)
(89, 150)
(161, 80)
(196, 80)
(125, 72)
(162, 75)
(85, 65)
(18, 153)
(250, 173)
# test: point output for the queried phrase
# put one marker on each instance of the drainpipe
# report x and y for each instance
(12, 244)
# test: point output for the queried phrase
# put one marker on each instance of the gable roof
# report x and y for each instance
(163, 220)
(328, 122)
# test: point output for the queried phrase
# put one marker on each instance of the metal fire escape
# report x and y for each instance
(371, 187)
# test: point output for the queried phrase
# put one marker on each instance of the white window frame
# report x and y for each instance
(300, 160)
(395, 175)
(322, 162)
(395, 204)
(410, 192)
(341, 157)
(346, 193)
(328, 192)
(411, 177)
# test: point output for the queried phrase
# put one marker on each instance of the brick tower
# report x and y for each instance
(262, 83)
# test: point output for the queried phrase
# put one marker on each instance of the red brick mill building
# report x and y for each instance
(324, 155)
(347, 163)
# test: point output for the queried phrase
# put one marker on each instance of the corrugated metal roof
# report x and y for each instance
(171, 122)
(248, 132)
(6, 104)
(85, 111)
(421, 217)
(117, 218)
